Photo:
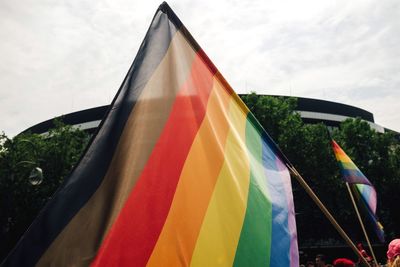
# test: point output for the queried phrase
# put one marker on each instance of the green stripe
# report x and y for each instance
(348, 165)
(254, 247)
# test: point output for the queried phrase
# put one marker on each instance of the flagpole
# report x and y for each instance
(324, 210)
(361, 222)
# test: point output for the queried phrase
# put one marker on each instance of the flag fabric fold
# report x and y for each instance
(180, 173)
(362, 188)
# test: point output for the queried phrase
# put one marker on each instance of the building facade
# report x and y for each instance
(310, 110)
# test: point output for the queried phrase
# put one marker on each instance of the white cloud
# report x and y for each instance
(62, 56)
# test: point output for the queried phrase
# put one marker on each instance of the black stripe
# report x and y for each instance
(92, 167)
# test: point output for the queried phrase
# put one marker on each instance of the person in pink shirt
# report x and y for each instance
(393, 253)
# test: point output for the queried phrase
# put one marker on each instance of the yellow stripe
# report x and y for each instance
(196, 184)
(220, 232)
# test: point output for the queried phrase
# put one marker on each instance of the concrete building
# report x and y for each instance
(310, 110)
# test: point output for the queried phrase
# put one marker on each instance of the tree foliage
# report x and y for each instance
(24, 189)
(308, 148)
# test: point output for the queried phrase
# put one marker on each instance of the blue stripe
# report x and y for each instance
(354, 176)
(280, 236)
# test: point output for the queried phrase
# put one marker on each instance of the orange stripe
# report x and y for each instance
(341, 156)
(178, 237)
(132, 237)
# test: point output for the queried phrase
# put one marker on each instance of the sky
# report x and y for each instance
(61, 56)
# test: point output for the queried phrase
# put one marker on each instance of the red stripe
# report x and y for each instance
(135, 232)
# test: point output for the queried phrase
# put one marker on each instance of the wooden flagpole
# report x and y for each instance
(361, 222)
(324, 210)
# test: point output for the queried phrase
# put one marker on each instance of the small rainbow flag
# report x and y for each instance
(180, 173)
(363, 189)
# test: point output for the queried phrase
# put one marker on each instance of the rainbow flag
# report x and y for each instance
(363, 190)
(180, 173)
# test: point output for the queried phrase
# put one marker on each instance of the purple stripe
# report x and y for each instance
(294, 259)
(354, 176)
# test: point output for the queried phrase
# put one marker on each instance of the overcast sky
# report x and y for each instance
(59, 56)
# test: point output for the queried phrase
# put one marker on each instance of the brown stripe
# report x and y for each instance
(77, 244)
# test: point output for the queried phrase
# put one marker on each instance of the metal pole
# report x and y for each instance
(361, 222)
(324, 210)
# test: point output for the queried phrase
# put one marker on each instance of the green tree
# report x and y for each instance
(32, 167)
(309, 150)
(276, 114)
